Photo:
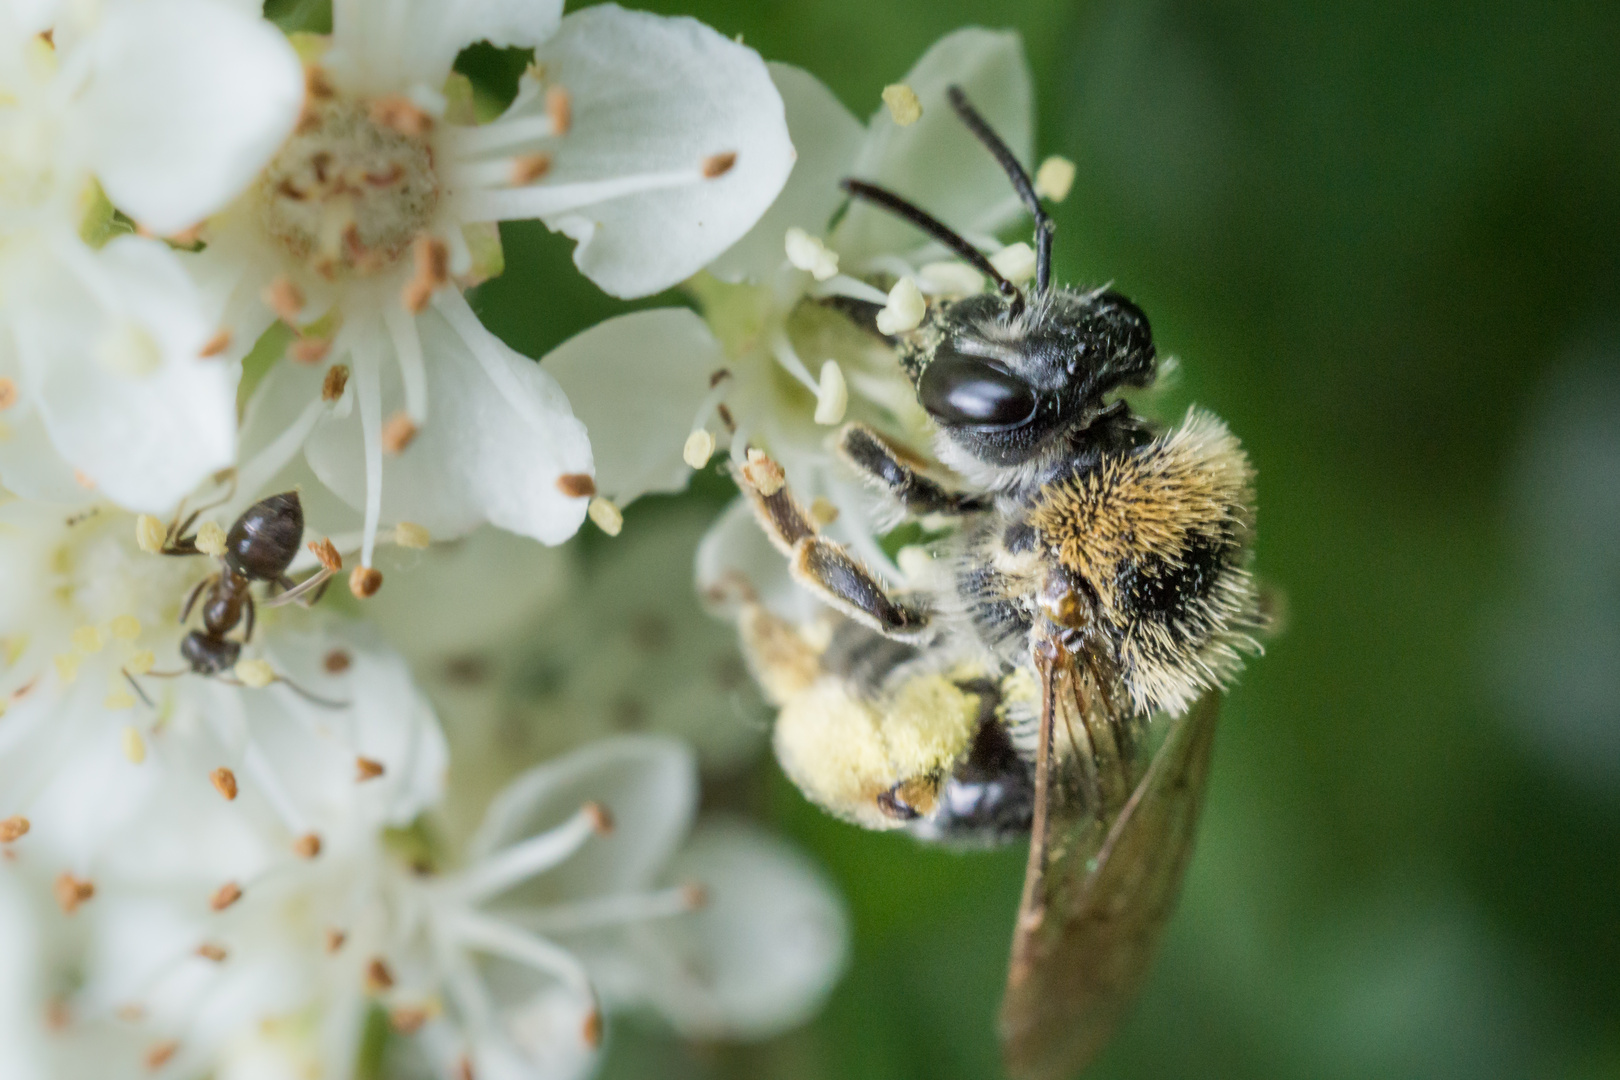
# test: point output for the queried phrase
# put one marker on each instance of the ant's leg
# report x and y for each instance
(191, 597)
(820, 564)
(252, 613)
(882, 465)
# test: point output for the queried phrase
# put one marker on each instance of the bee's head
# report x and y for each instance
(1005, 389)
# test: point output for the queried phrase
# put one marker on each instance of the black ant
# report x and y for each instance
(260, 546)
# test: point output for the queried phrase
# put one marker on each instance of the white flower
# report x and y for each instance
(654, 142)
(172, 105)
(777, 370)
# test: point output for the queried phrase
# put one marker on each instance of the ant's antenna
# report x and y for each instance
(1020, 182)
(931, 225)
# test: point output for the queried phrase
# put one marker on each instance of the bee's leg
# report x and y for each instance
(878, 462)
(820, 564)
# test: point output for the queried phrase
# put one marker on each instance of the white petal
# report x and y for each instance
(188, 100)
(653, 96)
(30, 466)
(827, 138)
(487, 452)
(637, 381)
(145, 439)
(764, 952)
(386, 46)
(647, 783)
(936, 162)
(21, 1055)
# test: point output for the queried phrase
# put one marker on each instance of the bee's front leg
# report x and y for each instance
(883, 467)
(820, 564)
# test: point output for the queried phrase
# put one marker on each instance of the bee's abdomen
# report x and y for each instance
(1160, 535)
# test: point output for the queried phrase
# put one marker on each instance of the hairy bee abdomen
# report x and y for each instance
(1160, 536)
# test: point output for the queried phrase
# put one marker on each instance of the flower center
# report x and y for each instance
(354, 185)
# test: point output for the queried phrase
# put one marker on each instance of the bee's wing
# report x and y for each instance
(1103, 871)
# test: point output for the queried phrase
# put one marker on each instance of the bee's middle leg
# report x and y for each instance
(882, 466)
(821, 564)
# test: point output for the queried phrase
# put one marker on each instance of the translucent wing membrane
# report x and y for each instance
(1109, 843)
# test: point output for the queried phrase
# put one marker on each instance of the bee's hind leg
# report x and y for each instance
(820, 564)
(883, 467)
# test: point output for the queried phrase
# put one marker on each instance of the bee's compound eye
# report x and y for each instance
(964, 390)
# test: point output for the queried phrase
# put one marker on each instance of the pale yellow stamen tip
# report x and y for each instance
(129, 350)
(915, 562)
(608, 517)
(255, 673)
(1015, 262)
(211, 538)
(149, 534)
(140, 662)
(1054, 178)
(832, 395)
(134, 745)
(67, 666)
(808, 253)
(950, 279)
(905, 310)
(764, 474)
(699, 448)
(88, 639)
(903, 104)
(408, 534)
(118, 699)
(823, 511)
(125, 627)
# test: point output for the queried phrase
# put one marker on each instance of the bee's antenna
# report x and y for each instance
(931, 225)
(1020, 182)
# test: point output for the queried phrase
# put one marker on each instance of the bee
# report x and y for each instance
(1097, 576)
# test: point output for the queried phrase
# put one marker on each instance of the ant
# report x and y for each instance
(260, 546)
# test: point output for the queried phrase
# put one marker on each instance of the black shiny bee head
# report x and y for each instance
(264, 540)
(1009, 375)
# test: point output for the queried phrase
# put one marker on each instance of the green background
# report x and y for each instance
(1376, 233)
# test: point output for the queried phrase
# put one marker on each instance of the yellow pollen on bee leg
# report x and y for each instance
(527, 168)
(134, 745)
(408, 534)
(1015, 262)
(125, 627)
(717, 165)
(560, 108)
(808, 253)
(762, 472)
(902, 103)
(8, 393)
(88, 639)
(337, 379)
(150, 534)
(257, 674)
(1054, 178)
(607, 516)
(905, 310)
(140, 662)
(699, 448)
(832, 394)
(397, 434)
(211, 538)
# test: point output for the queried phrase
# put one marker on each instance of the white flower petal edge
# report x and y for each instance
(419, 39)
(21, 1057)
(188, 99)
(676, 143)
(640, 383)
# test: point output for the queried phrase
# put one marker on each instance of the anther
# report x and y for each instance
(823, 511)
(150, 534)
(408, 1019)
(397, 433)
(67, 666)
(316, 83)
(398, 112)
(560, 108)
(140, 662)
(408, 534)
(284, 298)
(118, 699)
(809, 253)
(211, 538)
(216, 344)
(125, 627)
(307, 846)
(527, 168)
(764, 474)
(161, 1054)
(905, 310)
(209, 951)
(336, 662)
(57, 1014)
(8, 393)
(334, 940)
(14, 828)
(72, 892)
(464, 1070)
(699, 448)
(576, 485)
(950, 279)
(87, 639)
(255, 673)
(832, 394)
(695, 895)
(601, 817)
(364, 582)
(326, 553)
(432, 272)
(592, 1030)
(367, 769)
(310, 350)
(337, 377)
(1015, 262)
(1054, 178)
(224, 782)
(717, 165)
(82, 478)
(914, 561)
(134, 745)
(903, 104)
(608, 517)
(378, 977)
(226, 895)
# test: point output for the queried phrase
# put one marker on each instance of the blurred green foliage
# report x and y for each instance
(1371, 231)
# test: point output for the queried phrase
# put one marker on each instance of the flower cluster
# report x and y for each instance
(239, 370)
